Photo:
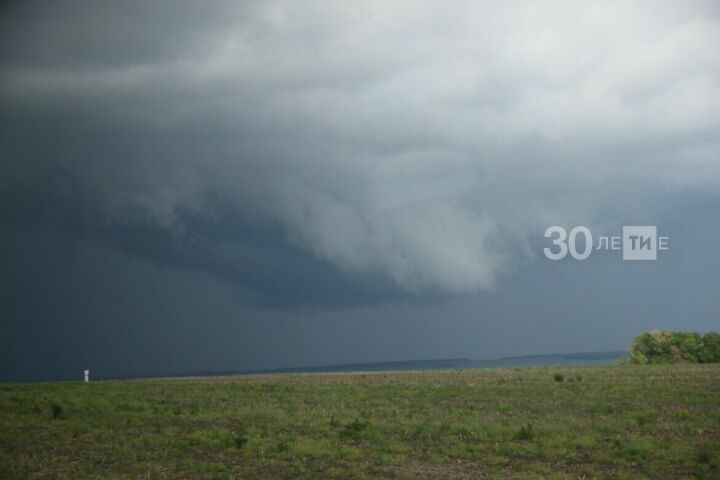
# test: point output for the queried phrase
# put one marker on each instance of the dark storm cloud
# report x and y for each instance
(326, 153)
(102, 34)
(239, 250)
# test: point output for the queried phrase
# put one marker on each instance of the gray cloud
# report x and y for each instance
(401, 149)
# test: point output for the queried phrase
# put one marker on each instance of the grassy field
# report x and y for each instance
(585, 422)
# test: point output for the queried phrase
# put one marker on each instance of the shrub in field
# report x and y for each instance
(240, 436)
(354, 430)
(57, 410)
(285, 444)
(666, 346)
(240, 440)
(711, 352)
(704, 455)
(559, 377)
(526, 432)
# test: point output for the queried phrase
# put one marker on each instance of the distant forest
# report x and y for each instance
(666, 346)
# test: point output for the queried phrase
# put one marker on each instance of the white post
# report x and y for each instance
(87, 375)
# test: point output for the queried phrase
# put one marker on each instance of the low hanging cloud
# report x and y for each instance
(427, 144)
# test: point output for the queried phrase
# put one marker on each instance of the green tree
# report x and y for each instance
(665, 346)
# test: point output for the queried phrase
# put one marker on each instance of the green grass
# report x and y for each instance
(658, 421)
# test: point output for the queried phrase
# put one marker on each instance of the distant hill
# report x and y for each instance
(567, 359)
(579, 358)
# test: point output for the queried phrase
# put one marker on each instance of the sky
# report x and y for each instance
(190, 186)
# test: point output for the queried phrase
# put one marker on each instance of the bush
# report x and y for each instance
(354, 430)
(526, 432)
(704, 455)
(559, 377)
(57, 410)
(240, 440)
(666, 346)
(711, 352)
(286, 444)
(240, 436)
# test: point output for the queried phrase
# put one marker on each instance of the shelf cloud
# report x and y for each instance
(393, 149)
